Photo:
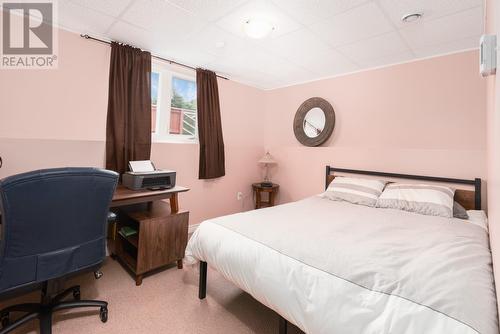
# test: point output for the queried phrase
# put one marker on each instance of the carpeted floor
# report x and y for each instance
(166, 302)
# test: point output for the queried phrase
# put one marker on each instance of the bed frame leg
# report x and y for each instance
(283, 325)
(202, 288)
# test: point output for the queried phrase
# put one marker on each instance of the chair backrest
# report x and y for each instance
(53, 223)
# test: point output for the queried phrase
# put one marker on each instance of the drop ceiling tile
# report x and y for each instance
(209, 10)
(109, 7)
(213, 40)
(258, 9)
(443, 48)
(359, 23)
(133, 35)
(387, 60)
(292, 79)
(239, 60)
(260, 84)
(465, 24)
(327, 63)
(264, 62)
(258, 79)
(297, 44)
(238, 73)
(223, 67)
(375, 47)
(201, 48)
(283, 69)
(82, 20)
(161, 17)
(192, 56)
(431, 9)
(308, 12)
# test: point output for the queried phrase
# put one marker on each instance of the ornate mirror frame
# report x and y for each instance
(298, 122)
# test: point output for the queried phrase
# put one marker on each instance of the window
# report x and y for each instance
(155, 77)
(183, 107)
(173, 106)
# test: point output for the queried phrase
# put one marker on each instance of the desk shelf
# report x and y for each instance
(129, 260)
(133, 239)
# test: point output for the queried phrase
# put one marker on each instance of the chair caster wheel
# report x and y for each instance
(103, 314)
(76, 294)
(5, 320)
(98, 274)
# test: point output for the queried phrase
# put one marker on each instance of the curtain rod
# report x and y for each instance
(153, 56)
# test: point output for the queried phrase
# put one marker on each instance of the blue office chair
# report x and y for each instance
(54, 224)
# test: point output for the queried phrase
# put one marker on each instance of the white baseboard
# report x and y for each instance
(192, 228)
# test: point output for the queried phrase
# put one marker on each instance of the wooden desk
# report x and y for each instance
(124, 196)
(162, 229)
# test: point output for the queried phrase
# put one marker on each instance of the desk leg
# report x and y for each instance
(138, 280)
(174, 203)
(179, 264)
(283, 326)
(202, 288)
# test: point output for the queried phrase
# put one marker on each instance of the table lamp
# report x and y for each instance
(267, 160)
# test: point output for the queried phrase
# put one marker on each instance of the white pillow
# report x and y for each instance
(354, 190)
(478, 217)
(432, 200)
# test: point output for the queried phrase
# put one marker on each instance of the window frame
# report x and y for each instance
(163, 106)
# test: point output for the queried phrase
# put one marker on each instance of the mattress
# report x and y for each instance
(330, 266)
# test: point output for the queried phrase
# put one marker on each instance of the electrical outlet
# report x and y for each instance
(239, 195)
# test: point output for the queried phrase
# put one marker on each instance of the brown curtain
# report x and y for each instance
(128, 128)
(209, 126)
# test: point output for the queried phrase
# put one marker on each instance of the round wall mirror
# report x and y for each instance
(314, 122)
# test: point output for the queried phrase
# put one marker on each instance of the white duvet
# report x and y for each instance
(335, 267)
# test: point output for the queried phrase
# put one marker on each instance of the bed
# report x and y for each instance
(335, 267)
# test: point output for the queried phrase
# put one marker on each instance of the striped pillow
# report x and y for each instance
(425, 199)
(353, 190)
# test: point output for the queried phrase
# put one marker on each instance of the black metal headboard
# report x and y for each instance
(476, 182)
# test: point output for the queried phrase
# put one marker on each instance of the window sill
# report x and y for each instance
(174, 140)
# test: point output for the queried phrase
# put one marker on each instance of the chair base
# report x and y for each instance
(43, 311)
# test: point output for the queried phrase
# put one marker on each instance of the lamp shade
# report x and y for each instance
(267, 159)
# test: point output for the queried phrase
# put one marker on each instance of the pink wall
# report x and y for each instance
(424, 117)
(493, 146)
(68, 103)
(51, 118)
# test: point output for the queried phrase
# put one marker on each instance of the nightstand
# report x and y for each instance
(258, 189)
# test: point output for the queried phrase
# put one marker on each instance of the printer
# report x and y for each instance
(144, 175)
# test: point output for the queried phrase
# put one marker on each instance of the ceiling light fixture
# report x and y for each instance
(408, 18)
(257, 29)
